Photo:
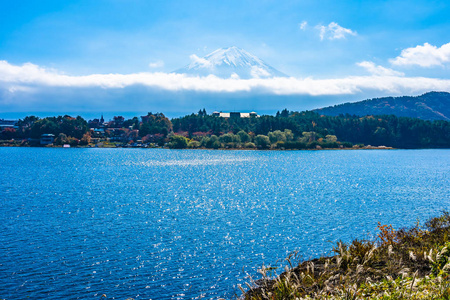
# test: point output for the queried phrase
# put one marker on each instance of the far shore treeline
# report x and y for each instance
(285, 130)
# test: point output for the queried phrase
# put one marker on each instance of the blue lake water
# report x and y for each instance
(167, 224)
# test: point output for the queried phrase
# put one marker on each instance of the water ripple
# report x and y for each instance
(165, 224)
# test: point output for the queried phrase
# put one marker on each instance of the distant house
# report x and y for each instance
(249, 115)
(235, 114)
(47, 139)
(97, 123)
(221, 114)
(98, 132)
(8, 124)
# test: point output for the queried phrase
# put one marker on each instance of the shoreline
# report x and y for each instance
(223, 149)
(398, 264)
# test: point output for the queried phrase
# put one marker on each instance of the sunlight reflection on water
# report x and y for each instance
(164, 224)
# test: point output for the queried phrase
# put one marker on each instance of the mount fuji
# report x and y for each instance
(231, 62)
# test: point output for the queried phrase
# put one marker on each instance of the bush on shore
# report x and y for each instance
(401, 264)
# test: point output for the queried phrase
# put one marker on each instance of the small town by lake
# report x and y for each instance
(183, 224)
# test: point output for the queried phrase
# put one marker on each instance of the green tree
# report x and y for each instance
(330, 138)
(277, 136)
(177, 142)
(244, 136)
(61, 139)
(262, 141)
(212, 142)
(134, 123)
(308, 137)
(155, 123)
(194, 144)
(229, 138)
(289, 135)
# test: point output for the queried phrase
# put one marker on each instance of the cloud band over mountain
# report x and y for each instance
(31, 78)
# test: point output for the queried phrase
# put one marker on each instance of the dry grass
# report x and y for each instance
(401, 264)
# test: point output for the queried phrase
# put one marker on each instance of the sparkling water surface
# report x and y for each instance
(168, 224)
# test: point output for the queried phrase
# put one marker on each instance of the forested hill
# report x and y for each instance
(429, 106)
(285, 130)
(386, 130)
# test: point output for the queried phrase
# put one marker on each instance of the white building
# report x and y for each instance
(235, 114)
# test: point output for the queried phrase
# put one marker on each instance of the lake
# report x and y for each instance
(168, 224)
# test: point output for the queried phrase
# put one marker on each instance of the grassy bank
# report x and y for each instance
(409, 263)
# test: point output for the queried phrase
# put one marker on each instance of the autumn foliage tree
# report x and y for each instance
(34, 127)
(155, 124)
(8, 133)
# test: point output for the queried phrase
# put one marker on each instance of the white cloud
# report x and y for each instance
(200, 62)
(423, 56)
(234, 76)
(334, 31)
(156, 64)
(258, 72)
(303, 25)
(378, 70)
(30, 78)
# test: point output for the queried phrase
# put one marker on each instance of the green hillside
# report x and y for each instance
(429, 106)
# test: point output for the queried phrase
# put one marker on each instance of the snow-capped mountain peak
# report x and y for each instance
(230, 62)
(233, 56)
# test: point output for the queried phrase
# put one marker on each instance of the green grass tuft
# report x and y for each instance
(409, 263)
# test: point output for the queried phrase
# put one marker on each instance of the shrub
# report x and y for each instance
(262, 141)
(405, 264)
(194, 144)
(277, 136)
(441, 264)
(177, 142)
(244, 137)
(294, 145)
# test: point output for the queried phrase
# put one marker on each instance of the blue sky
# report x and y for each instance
(404, 42)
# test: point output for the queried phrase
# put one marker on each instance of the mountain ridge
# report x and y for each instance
(429, 106)
(231, 62)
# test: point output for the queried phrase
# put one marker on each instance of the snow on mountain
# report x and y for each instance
(230, 62)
